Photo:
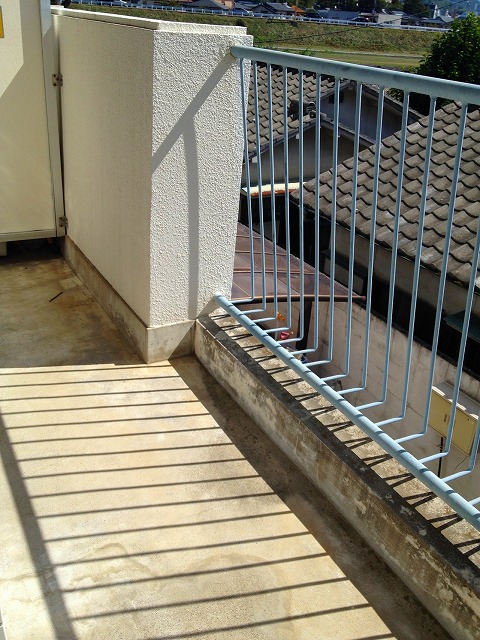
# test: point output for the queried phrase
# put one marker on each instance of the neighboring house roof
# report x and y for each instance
(309, 96)
(331, 14)
(207, 4)
(467, 203)
(274, 7)
(440, 20)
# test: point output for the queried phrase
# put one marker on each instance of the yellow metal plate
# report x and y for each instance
(464, 426)
(1, 23)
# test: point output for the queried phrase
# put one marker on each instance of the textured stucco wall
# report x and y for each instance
(153, 152)
(196, 168)
(106, 112)
(26, 200)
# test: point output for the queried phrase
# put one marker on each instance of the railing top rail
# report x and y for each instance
(437, 87)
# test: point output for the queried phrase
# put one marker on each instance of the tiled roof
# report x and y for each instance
(467, 203)
(207, 4)
(309, 96)
(276, 7)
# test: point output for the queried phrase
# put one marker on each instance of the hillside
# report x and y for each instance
(305, 37)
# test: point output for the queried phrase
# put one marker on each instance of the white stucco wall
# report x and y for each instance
(26, 197)
(196, 167)
(107, 115)
(152, 154)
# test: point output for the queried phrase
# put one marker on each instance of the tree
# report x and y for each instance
(416, 8)
(455, 55)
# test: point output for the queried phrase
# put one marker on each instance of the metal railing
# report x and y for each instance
(356, 279)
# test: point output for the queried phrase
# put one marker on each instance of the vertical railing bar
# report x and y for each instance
(333, 224)
(260, 195)
(316, 311)
(301, 208)
(287, 196)
(394, 252)
(473, 457)
(441, 288)
(247, 176)
(351, 257)
(272, 190)
(371, 252)
(351, 264)
(416, 273)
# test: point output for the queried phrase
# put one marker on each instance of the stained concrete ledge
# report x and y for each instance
(398, 516)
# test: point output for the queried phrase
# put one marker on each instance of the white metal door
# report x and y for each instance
(31, 200)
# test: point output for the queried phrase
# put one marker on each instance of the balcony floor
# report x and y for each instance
(140, 502)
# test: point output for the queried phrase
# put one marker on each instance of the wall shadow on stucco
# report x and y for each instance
(185, 129)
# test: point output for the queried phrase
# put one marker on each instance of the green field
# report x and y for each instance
(403, 62)
(354, 44)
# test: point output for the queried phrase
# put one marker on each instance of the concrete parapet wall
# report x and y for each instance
(310, 434)
(152, 142)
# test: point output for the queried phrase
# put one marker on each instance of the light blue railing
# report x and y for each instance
(373, 370)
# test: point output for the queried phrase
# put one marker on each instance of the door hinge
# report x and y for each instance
(57, 80)
(63, 221)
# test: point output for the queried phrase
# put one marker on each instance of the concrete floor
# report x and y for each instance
(140, 502)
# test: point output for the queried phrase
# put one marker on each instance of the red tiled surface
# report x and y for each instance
(241, 287)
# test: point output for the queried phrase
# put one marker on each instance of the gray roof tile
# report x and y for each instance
(277, 90)
(444, 148)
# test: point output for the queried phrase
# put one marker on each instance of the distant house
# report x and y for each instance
(227, 5)
(465, 222)
(274, 8)
(386, 17)
(440, 21)
(331, 14)
(243, 6)
(411, 20)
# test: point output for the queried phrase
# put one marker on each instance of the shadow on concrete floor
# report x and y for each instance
(143, 503)
(390, 599)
